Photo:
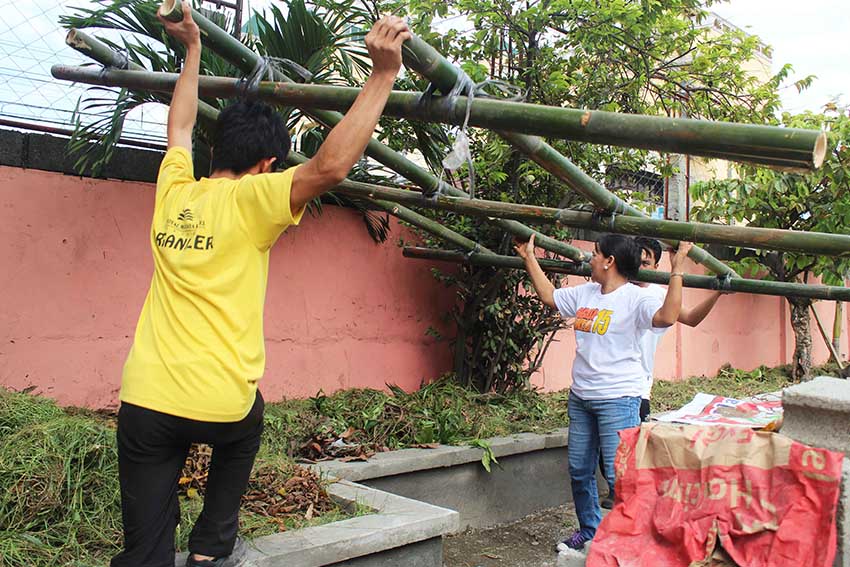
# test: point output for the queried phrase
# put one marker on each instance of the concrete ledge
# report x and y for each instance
(397, 523)
(411, 460)
(532, 474)
(818, 413)
(48, 152)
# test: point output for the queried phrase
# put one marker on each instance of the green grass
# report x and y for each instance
(441, 412)
(59, 492)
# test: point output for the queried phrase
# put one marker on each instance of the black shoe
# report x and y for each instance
(607, 503)
(236, 558)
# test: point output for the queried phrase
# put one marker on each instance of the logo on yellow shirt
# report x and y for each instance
(591, 320)
(182, 234)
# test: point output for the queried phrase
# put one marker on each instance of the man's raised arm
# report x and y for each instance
(184, 103)
(346, 142)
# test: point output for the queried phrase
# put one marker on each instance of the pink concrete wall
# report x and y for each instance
(341, 311)
(745, 331)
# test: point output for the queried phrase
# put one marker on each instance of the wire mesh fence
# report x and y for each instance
(31, 41)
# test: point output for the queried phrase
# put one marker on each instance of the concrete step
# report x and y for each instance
(818, 413)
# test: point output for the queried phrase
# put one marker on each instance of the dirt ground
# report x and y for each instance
(529, 542)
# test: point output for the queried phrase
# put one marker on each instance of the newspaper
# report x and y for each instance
(707, 409)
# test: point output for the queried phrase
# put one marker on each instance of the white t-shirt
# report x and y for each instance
(608, 329)
(649, 341)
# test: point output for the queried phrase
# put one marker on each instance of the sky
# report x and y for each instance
(812, 35)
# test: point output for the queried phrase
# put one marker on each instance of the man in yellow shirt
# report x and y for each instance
(198, 352)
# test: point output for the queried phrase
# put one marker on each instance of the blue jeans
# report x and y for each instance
(594, 426)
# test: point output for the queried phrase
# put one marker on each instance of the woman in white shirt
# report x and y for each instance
(610, 315)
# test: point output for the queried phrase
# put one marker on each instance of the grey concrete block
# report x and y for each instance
(134, 164)
(519, 485)
(12, 146)
(818, 413)
(49, 153)
(396, 523)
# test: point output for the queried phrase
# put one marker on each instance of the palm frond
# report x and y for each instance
(94, 142)
(377, 224)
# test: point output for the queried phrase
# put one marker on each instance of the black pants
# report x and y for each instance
(644, 409)
(152, 448)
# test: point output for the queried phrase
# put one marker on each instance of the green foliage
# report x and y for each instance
(812, 201)
(653, 58)
(487, 455)
(439, 412)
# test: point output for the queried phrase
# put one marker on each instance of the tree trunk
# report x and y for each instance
(801, 323)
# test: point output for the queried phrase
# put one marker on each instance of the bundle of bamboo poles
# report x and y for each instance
(771, 146)
(766, 145)
(775, 239)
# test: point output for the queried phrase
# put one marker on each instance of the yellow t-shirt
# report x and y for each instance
(199, 349)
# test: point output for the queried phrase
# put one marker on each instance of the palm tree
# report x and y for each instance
(310, 41)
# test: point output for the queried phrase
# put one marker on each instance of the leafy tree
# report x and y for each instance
(813, 201)
(650, 57)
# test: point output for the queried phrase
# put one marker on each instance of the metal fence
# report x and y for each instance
(31, 41)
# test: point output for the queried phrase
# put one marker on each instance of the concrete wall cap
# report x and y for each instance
(410, 460)
(823, 392)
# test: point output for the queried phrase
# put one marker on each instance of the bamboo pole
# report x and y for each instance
(431, 226)
(403, 213)
(424, 59)
(98, 51)
(740, 236)
(837, 324)
(246, 60)
(825, 337)
(776, 239)
(694, 137)
(739, 285)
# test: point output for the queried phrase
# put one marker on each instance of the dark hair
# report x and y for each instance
(247, 132)
(651, 245)
(625, 251)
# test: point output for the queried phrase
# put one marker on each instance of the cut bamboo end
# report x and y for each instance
(171, 10)
(74, 40)
(819, 153)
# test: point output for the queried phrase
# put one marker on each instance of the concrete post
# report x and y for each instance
(677, 190)
(817, 413)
